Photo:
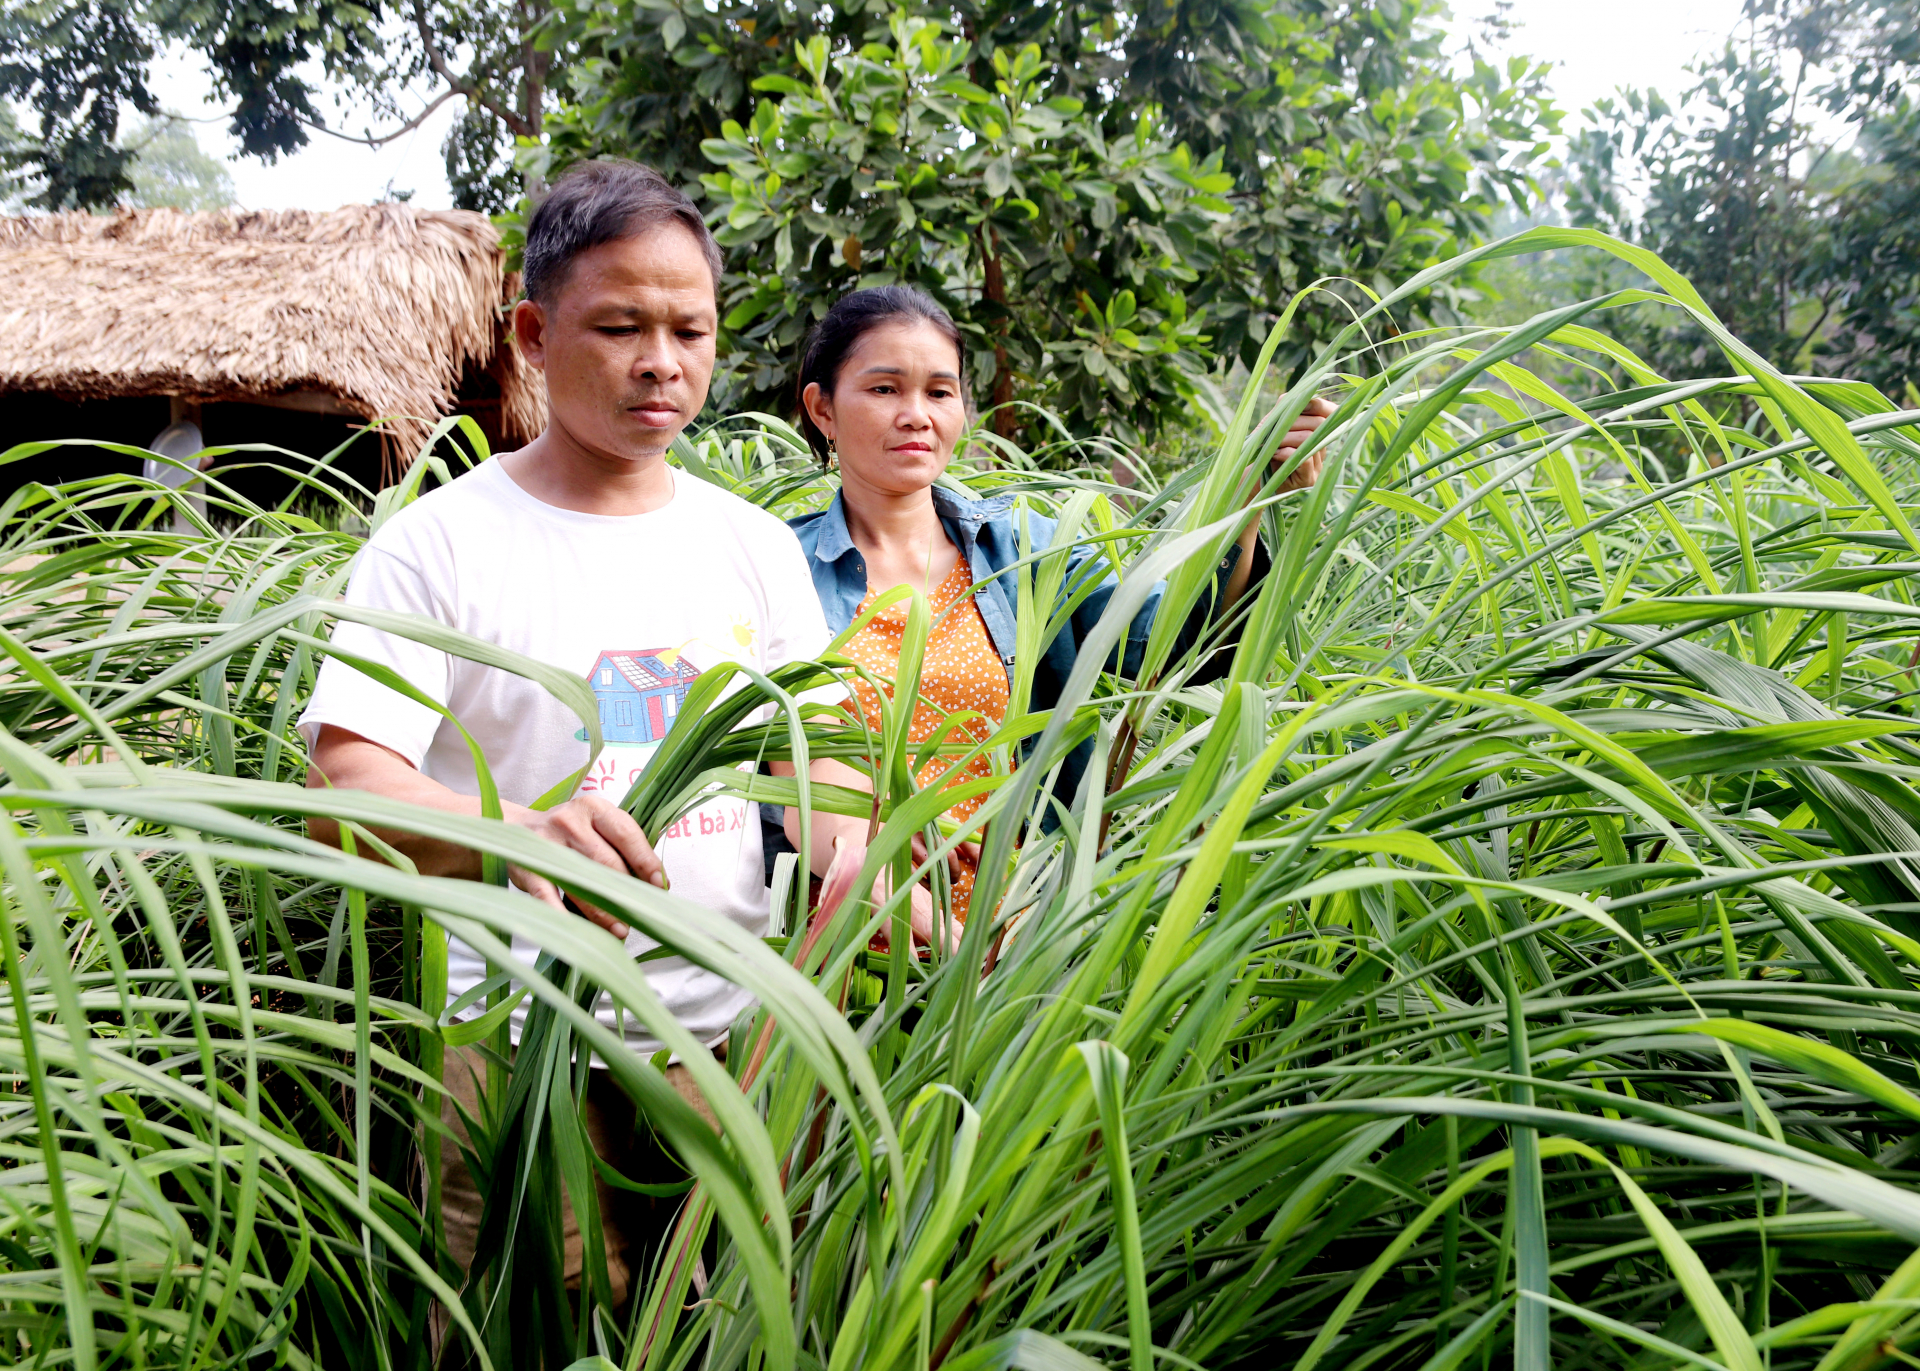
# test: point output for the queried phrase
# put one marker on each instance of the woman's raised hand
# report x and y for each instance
(1318, 411)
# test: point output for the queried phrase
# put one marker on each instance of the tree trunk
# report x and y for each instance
(1004, 418)
(533, 73)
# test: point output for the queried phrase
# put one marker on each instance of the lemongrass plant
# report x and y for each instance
(1510, 961)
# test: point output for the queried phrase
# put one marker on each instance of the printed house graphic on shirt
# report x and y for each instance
(640, 692)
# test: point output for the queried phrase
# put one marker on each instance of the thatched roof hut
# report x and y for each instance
(371, 310)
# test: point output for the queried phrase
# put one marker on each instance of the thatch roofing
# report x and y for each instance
(381, 306)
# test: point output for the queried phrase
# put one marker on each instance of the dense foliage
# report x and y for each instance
(1511, 961)
(1114, 199)
(170, 169)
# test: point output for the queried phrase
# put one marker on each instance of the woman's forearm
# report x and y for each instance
(825, 829)
(1242, 573)
(1301, 433)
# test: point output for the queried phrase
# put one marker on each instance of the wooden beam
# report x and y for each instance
(306, 401)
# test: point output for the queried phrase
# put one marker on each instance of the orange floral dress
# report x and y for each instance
(960, 671)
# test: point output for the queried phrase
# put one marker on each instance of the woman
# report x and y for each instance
(882, 397)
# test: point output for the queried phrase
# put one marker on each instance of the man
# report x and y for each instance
(586, 550)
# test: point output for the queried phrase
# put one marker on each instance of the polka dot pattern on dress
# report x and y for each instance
(959, 672)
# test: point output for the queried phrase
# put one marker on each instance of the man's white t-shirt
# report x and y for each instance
(638, 604)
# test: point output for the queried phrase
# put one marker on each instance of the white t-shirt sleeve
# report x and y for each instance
(798, 631)
(348, 698)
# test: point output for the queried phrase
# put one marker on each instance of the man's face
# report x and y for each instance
(627, 343)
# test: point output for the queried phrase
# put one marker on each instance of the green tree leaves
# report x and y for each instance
(169, 168)
(1029, 165)
(890, 164)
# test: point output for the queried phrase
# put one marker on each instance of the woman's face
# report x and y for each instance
(896, 410)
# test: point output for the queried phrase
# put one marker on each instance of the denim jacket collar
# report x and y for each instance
(840, 574)
(834, 541)
(965, 511)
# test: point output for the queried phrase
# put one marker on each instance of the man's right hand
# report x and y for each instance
(594, 827)
(590, 825)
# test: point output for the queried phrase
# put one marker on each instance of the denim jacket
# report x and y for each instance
(987, 532)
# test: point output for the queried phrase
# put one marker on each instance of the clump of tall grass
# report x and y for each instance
(1510, 961)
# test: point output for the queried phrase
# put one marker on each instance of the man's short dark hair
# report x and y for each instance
(600, 202)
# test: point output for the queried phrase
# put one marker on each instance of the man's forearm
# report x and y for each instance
(346, 762)
(588, 824)
(851, 831)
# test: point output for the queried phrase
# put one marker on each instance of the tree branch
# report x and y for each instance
(438, 62)
(1826, 308)
(369, 140)
(461, 86)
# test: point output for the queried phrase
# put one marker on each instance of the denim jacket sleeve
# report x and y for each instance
(1088, 561)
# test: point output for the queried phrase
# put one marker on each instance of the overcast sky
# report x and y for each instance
(1595, 47)
(1598, 47)
(328, 172)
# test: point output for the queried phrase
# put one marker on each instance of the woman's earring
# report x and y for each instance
(833, 455)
